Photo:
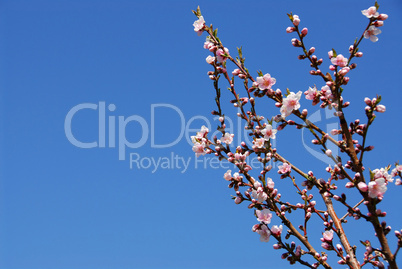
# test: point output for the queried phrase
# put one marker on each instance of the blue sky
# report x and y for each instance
(140, 62)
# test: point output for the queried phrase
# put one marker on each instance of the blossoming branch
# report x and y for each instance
(257, 189)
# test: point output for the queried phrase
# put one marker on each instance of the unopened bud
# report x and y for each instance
(349, 185)
(290, 29)
(382, 17)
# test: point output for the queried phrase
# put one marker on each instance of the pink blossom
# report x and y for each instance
(270, 183)
(330, 54)
(275, 230)
(208, 44)
(377, 188)
(285, 168)
(328, 152)
(264, 233)
(311, 93)
(290, 103)
(370, 12)
(222, 54)
(210, 59)
(326, 92)
(240, 157)
(328, 235)
(394, 172)
(339, 61)
(204, 130)
(268, 132)
(199, 25)
(371, 33)
(259, 143)
(199, 149)
(259, 195)
(398, 181)
(257, 184)
(382, 173)
(237, 176)
(265, 82)
(200, 137)
(264, 215)
(227, 138)
(228, 175)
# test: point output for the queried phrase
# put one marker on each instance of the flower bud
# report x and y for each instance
(378, 23)
(210, 59)
(290, 29)
(382, 17)
(276, 246)
(326, 246)
(296, 20)
(341, 262)
(362, 186)
(304, 31)
(349, 185)
(315, 142)
(380, 108)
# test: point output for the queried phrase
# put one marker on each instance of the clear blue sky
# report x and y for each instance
(62, 206)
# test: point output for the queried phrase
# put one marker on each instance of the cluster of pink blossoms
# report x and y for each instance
(325, 95)
(264, 217)
(379, 181)
(326, 239)
(221, 54)
(261, 193)
(372, 32)
(200, 141)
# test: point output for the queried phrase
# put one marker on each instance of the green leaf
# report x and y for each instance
(290, 15)
(260, 74)
(378, 99)
(377, 6)
(334, 53)
(239, 50)
(198, 12)
(287, 91)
